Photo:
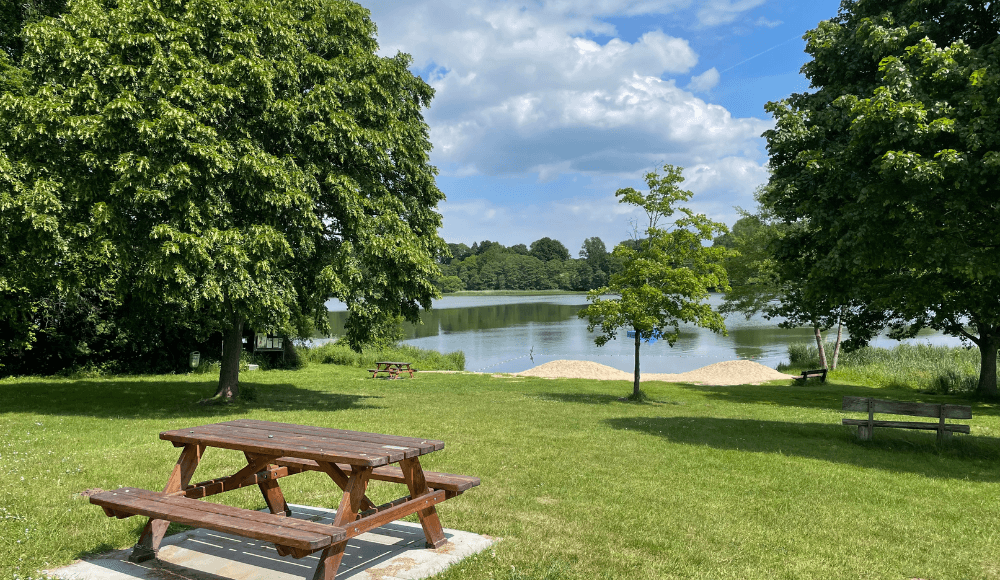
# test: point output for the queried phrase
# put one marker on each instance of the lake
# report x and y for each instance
(515, 333)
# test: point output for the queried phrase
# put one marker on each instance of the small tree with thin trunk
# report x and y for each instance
(665, 276)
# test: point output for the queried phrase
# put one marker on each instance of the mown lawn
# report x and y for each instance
(706, 482)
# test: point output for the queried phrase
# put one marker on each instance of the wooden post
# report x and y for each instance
(413, 475)
(347, 512)
(942, 435)
(152, 534)
(865, 431)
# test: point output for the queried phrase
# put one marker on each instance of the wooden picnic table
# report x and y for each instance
(275, 450)
(392, 368)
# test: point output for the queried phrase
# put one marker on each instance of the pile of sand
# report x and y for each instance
(736, 372)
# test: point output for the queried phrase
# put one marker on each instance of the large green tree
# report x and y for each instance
(890, 169)
(665, 274)
(245, 160)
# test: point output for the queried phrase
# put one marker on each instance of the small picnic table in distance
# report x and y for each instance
(275, 450)
(392, 368)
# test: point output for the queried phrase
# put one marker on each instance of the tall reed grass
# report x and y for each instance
(925, 367)
(341, 354)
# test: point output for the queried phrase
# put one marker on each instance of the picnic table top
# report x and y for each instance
(393, 363)
(304, 442)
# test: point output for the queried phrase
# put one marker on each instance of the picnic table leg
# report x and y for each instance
(272, 493)
(413, 475)
(275, 500)
(347, 512)
(152, 533)
(341, 479)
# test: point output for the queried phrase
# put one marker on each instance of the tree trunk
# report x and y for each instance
(989, 343)
(232, 347)
(635, 382)
(836, 345)
(819, 345)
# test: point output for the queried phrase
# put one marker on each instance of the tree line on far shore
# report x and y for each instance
(544, 265)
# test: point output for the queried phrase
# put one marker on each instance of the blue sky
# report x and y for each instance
(544, 109)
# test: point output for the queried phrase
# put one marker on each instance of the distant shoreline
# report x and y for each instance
(515, 293)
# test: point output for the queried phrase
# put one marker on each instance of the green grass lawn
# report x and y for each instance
(706, 482)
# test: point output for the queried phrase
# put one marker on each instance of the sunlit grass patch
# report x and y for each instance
(695, 482)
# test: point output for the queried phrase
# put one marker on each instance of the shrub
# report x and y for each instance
(340, 354)
(937, 369)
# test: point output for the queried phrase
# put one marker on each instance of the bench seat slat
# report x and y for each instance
(393, 474)
(909, 425)
(860, 405)
(276, 529)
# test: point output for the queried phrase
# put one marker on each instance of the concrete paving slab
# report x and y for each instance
(394, 551)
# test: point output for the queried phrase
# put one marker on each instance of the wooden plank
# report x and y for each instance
(955, 428)
(393, 474)
(221, 484)
(860, 404)
(259, 447)
(274, 437)
(425, 445)
(247, 523)
(393, 511)
(166, 501)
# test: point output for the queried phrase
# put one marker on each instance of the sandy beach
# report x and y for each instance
(736, 372)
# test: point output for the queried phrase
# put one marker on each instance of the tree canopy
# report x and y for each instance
(889, 171)
(546, 249)
(665, 276)
(245, 161)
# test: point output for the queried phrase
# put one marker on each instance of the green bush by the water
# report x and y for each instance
(341, 354)
(925, 367)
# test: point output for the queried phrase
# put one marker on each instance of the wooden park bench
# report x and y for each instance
(938, 411)
(821, 373)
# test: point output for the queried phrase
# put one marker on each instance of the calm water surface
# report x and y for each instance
(515, 333)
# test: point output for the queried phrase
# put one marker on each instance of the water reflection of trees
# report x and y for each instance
(475, 318)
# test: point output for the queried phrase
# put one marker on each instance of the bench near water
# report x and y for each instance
(938, 411)
(821, 373)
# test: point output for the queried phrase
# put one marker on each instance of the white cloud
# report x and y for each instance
(523, 87)
(705, 81)
(716, 12)
(549, 89)
(768, 23)
(718, 187)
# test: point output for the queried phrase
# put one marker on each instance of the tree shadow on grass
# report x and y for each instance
(154, 399)
(586, 398)
(964, 457)
(599, 399)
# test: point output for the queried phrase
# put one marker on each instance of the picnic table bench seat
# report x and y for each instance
(300, 537)
(938, 411)
(449, 482)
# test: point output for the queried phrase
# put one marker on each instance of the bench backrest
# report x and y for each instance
(860, 404)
